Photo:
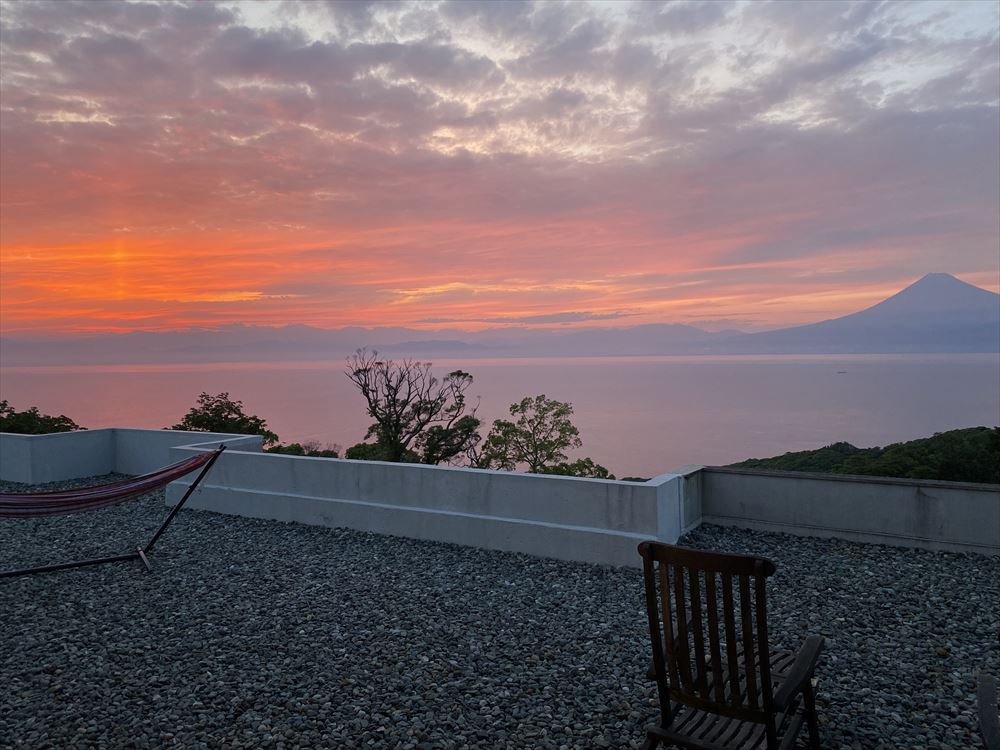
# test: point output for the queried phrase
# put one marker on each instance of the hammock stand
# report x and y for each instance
(65, 502)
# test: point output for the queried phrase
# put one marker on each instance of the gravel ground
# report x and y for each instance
(260, 634)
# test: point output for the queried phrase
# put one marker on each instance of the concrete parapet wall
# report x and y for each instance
(15, 458)
(588, 520)
(143, 451)
(690, 496)
(951, 516)
(37, 459)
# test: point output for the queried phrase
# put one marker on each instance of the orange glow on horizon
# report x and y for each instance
(163, 283)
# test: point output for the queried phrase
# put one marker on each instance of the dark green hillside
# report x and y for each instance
(968, 455)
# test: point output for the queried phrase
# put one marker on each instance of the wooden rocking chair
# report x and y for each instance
(722, 690)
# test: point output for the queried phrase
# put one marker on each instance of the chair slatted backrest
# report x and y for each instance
(708, 626)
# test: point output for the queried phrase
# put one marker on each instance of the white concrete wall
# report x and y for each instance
(37, 459)
(15, 457)
(143, 451)
(589, 520)
(951, 516)
(689, 480)
(567, 518)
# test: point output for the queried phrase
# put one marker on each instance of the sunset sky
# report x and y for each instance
(472, 164)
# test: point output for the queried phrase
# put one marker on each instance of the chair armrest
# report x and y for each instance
(801, 670)
(989, 719)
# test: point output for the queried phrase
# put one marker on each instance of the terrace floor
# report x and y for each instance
(260, 634)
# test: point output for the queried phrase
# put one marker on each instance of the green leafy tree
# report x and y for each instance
(308, 448)
(537, 438)
(222, 414)
(376, 452)
(582, 467)
(32, 422)
(418, 419)
(966, 455)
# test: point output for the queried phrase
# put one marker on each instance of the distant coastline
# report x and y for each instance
(937, 314)
(642, 415)
(965, 455)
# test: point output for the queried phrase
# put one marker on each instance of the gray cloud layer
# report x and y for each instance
(859, 135)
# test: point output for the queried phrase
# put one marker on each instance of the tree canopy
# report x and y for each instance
(967, 455)
(220, 413)
(582, 467)
(418, 418)
(307, 448)
(33, 422)
(538, 439)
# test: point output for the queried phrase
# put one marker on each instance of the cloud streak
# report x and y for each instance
(176, 164)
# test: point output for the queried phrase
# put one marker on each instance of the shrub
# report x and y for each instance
(33, 422)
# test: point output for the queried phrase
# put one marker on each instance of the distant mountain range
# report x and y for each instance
(938, 313)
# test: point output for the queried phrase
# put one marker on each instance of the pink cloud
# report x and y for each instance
(167, 165)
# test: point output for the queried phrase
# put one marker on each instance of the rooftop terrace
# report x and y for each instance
(256, 633)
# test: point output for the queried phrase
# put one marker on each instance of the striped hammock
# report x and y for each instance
(65, 502)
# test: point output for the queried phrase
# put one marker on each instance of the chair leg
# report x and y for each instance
(650, 743)
(811, 718)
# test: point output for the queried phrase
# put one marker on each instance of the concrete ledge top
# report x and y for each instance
(824, 477)
(430, 468)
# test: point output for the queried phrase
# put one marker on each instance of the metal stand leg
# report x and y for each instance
(140, 553)
(176, 508)
(67, 566)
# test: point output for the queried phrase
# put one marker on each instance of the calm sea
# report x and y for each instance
(637, 415)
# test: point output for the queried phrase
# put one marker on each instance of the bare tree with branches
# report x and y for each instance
(417, 417)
